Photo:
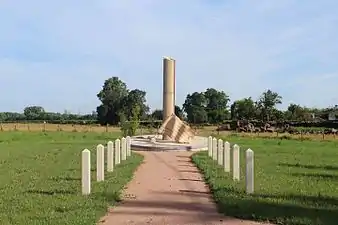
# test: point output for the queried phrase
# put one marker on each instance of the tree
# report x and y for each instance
(267, 102)
(195, 108)
(243, 109)
(34, 112)
(297, 112)
(135, 98)
(157, 114)
(112, 96)
(179, 112)
(216, 105)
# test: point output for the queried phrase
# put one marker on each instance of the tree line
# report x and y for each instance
(211, 106)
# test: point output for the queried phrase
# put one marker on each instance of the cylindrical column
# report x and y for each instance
(168, 88)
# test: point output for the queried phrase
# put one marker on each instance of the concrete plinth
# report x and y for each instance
(156, 143)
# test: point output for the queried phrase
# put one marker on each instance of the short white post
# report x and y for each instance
(210, 146)
(220, 152)
(123, 148)
(128, 139)
(117, 151)
(235, 163)
(214, 148)
(85, 175)
(100, 163)
(249, 176)
(110, 156)
(226, 156)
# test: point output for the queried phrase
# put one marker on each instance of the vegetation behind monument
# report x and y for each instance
(118, 106)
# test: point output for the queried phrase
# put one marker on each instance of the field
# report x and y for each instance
(40, 178)
(205, 131)
(296, 178)
(211, 130)
(296, 182)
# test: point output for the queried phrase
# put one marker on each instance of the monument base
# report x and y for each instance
(154, 142)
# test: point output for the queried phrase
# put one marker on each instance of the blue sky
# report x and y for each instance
(57, 54)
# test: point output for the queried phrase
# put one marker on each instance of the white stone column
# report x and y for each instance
(117, 151)
(128, 139)
(85, 175)
(210, 146)
(220, 152)
(236, 163)
(100, 163)
(123, 149)
(214, 148)
(110, 156)
(226, 156)
(249, 176)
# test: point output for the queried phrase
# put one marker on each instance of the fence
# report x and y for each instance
(117, 151)
(221, 152)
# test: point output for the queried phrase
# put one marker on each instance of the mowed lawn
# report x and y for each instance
(295, 182)
(40, 178)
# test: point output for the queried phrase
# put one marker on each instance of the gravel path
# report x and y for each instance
(167, 189)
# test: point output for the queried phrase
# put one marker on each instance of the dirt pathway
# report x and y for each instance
(167, 190)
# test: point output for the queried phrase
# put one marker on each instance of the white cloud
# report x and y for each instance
(238, 47)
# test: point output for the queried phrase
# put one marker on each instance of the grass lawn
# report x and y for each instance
(40, 178)
(295, 182)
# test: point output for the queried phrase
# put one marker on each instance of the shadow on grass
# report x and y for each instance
(306, 199)
(51, 192)
(309, 166)
(280, 209)
(314, 175)
(65, 178)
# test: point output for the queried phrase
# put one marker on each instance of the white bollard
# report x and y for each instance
(214, 148)
(123, 148)
(100, 163)
(117, 151)
(128, 139)
(110, 156)
(226, 157)
(235, 163)
(210, 146)
(220, 152)
(85, 179)
(249, 176)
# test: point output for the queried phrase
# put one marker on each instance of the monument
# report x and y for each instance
(168, 88)
(174, 134)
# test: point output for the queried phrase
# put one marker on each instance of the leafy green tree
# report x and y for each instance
(112, 97)
(243, 109)
(117, 100)
(135, 98)
(195, 108)
(267, 102)
(34, 112)
(217, 105)
(297, 112)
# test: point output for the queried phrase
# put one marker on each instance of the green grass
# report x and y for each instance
(40, 178)
(296, 182)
